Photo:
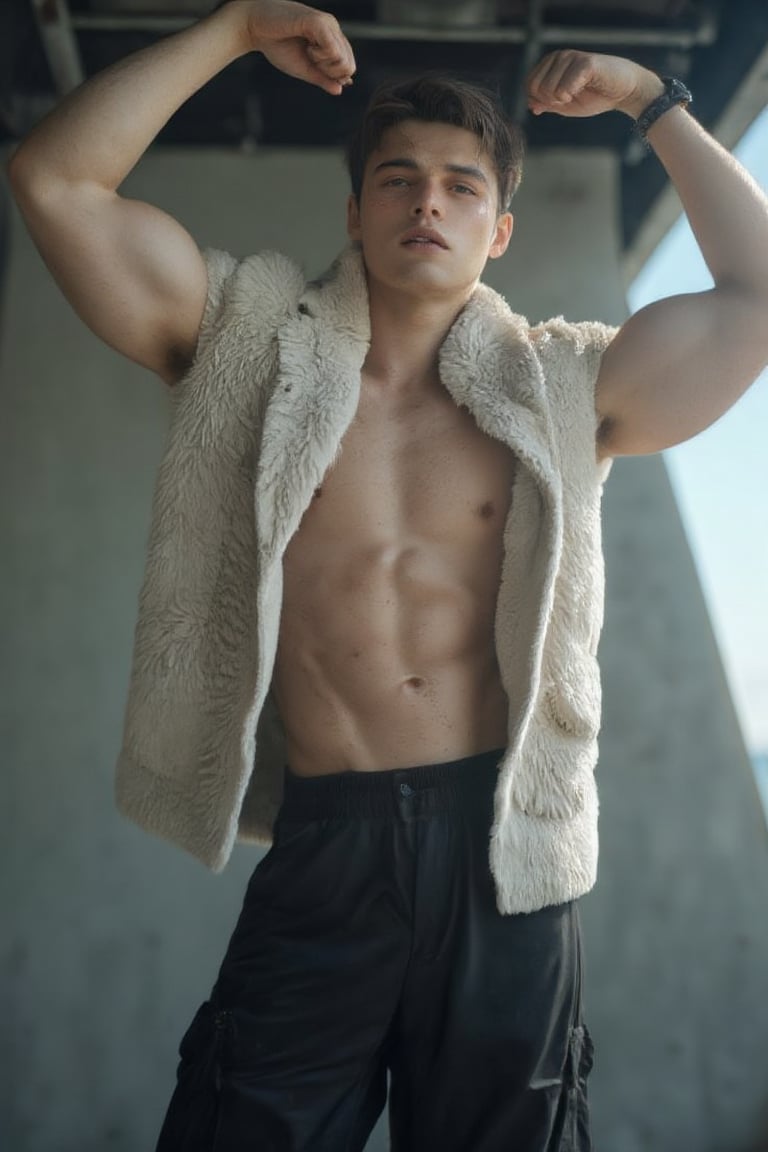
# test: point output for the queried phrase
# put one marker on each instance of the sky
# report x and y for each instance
(720, 478)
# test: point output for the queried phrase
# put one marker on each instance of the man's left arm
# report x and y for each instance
(678, 364)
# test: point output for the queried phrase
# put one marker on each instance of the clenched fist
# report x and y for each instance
(300, 41)
(576, 83)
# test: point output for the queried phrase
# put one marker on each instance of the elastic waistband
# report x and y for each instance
(423, 788)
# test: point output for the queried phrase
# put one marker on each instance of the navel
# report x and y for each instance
(486, 510)
(415, 682)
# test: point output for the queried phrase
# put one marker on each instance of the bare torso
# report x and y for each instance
(386, 655)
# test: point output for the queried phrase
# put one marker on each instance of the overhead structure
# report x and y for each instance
(49, 45)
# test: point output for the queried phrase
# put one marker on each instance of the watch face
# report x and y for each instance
(677, 91)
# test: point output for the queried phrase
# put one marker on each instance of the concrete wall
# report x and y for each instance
(111, 938)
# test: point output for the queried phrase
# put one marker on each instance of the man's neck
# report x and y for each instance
(406, 335)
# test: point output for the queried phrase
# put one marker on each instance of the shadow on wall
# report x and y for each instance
(762, 1143)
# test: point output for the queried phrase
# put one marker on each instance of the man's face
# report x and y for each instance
(427, 219)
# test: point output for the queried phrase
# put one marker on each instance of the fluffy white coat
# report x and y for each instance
(258, 419)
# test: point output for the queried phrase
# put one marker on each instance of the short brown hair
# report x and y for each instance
(445, 100)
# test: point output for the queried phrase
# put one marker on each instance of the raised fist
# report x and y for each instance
(301, 41)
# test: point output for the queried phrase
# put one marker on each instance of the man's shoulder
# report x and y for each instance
(579, 335)
(264, 279)
(556, 334)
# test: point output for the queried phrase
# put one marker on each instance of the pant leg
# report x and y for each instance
(290, 1051)
(489, 1050)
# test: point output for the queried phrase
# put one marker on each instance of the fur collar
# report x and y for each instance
(487, 363)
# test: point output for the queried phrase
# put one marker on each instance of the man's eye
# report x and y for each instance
(395, 181)
(465, 188)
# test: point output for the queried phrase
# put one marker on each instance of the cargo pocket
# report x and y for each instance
(577, 1135)
(192, 1120)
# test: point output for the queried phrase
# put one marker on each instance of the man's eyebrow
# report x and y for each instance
(459, 169)
(467, 170)
(398, 162)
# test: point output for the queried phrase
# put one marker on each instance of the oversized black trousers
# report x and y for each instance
(370, 944)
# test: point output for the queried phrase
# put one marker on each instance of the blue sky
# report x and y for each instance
(721, 482)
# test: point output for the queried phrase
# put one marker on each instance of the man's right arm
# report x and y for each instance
(132, 273)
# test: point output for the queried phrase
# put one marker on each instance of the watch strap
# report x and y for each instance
(675, 92)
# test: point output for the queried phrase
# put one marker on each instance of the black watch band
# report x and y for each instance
(675, 92)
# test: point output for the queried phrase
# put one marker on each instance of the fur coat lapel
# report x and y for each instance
(315, 396)
(487, 363)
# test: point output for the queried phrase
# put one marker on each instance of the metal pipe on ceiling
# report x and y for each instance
(436, 13)
(55, 26)
(533, 45)
(704, 33)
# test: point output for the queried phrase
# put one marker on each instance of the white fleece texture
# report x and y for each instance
(258, 420)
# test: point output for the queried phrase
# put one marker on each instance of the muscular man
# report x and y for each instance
(373, 594)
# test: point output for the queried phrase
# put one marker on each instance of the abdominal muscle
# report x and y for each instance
(396, 670)
(386, 655)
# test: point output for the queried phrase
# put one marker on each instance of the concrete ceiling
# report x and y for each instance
(719, 47)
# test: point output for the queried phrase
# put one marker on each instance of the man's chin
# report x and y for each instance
(426, 278)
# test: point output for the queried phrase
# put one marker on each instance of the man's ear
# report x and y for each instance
(502, 235)
(353, 217)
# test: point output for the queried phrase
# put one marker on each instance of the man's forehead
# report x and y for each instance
(434, 142)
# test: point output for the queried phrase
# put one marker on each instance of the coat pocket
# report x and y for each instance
(572, 698)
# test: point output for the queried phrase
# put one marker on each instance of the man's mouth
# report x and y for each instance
(424, 237)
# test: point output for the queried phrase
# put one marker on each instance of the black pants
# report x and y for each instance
(370, 942)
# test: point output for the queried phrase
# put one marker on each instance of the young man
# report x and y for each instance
(375, 570)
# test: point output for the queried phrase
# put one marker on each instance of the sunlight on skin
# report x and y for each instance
(720, 480)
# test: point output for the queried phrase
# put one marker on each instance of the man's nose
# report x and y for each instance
(428, 201)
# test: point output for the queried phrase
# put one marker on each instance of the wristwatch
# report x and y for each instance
(675, 92)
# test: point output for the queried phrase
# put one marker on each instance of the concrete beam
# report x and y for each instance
(704, 33)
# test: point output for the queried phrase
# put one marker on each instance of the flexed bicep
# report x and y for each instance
(676, 367)
(131, 272)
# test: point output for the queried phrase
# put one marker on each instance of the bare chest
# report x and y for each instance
(421, 473)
